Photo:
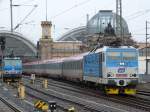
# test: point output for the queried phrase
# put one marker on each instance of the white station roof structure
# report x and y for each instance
(19, 44)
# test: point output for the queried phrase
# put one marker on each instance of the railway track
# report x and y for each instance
(132, 101)
(38, 97)
(78, 104)
(145, 93)
(85, 107)
(11, 106)
(42, 99)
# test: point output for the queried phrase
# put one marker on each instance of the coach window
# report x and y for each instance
(100, 59)
(103, 57)
(66, 65)
(70, 65)
(63, 66)
(75, 65)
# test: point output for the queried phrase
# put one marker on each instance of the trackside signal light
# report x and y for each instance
(52, 105)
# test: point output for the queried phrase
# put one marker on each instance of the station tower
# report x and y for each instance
(46, 42)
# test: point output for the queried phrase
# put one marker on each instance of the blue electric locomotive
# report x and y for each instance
(115, 68)
(12, 69)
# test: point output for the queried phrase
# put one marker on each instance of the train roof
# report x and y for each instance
(105, 48)
(76, 57)
(43, 62)
(8, 58)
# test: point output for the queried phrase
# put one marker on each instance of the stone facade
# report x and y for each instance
(142, 64)
(142, 45)
(49, 49)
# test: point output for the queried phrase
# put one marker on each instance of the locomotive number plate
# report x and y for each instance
(121, 75)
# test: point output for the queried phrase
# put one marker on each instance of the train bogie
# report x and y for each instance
(111, 90)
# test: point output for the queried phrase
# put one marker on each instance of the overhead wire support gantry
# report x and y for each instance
(11, 15)
(146, 54)
(119, 18)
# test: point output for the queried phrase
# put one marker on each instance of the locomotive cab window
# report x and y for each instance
(129, 55)
(113, 56)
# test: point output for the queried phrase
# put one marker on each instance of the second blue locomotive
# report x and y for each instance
(12, 69)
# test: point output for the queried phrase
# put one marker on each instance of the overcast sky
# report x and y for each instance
(68, 14)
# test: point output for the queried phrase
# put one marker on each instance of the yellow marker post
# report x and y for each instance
(21, 91)
(41, 105)
(32, 78)
(45, 83)
(8, 82)
(72, 109)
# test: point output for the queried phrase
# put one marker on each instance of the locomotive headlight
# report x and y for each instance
(109, 74)
(133, 75)
(122, 64)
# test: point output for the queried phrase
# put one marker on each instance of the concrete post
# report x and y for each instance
(72, 109)
(32, 78)
(21, 91)
(45, 83)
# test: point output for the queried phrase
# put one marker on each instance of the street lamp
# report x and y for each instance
(147, 22)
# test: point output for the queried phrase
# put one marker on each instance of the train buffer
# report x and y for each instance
(41, 106)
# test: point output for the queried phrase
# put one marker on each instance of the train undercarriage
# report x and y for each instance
(11, 78)
(129, 90)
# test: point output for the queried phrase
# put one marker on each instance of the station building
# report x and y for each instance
(142, 58)
(49, 49)
(95, 27)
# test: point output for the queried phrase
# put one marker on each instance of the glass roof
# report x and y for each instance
(99, 22)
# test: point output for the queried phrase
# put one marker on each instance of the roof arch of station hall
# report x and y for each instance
(75, 34)
(19, 44)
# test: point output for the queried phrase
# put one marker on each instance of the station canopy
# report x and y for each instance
(19, 45)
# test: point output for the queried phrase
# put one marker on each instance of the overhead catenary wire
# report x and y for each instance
(138, 14)
(35, 6)
(25, 1)
(4, 9)
(69, 9)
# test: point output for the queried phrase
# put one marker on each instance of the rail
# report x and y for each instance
(145, 93)
(15, 109)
